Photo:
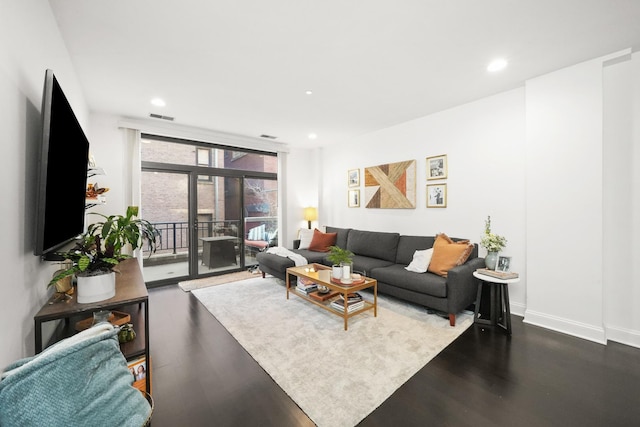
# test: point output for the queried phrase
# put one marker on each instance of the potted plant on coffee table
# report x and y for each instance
(100, 249)
(340, 258)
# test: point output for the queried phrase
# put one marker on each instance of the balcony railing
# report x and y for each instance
(173, 237)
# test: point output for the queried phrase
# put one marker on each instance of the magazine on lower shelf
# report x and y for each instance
(307, 289)
(354, 302)
(350, 308)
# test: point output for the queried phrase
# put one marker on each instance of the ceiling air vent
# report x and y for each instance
(267, 136)
(161, 117)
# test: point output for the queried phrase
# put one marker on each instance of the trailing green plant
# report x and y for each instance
(337, 255)
(101, 247)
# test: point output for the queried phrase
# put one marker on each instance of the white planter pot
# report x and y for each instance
(336, 272)
(96, 288)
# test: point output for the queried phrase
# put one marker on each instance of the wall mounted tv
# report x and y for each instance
(62, 180)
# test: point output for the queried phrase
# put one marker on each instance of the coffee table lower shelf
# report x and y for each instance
(311, 272)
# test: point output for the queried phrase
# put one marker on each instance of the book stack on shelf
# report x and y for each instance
(354, 302)
(497, 274)
(306, 286)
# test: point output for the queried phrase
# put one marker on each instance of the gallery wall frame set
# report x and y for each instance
(436, 195)
(353, 178)
(437, 167)
(354, 199)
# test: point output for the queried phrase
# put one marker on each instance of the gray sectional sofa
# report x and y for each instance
(384, 256)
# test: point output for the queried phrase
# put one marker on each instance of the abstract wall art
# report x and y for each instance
(391, 186)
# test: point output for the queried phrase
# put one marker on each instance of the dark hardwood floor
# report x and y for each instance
(203, 377)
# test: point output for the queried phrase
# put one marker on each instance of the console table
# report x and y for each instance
(131, 297)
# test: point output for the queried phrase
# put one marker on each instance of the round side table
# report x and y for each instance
(499, 297)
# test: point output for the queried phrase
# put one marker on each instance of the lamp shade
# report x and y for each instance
(310, 214)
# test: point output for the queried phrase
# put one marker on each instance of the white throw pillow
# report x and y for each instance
(306, 235)
(421, 260)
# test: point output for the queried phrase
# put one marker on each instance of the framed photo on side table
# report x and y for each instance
(437, 195)
(354, 178)
(437, 167)
(354, 198)
(504, 264)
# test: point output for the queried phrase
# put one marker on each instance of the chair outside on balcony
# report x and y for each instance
(259, 239)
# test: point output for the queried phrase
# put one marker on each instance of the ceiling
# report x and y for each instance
(243, 66)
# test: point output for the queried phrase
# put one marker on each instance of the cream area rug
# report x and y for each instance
(336, 377)
(190, 285)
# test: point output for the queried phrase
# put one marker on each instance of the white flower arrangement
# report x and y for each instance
(490, 241)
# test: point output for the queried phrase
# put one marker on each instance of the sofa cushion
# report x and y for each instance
(312, 256)
(306, 235)
(364, 264)
(425, 283)
(342, 234)
(374, 244)
(448, 254)
(408, 245)
(321, 241)
(420, 262)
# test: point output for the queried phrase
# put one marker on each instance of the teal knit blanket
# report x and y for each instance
(80, 381)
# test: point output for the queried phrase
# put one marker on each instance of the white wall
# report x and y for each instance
(109, 148)
(565, 188)
(300, 190)
(485, 144)
(29, 44)
(621, 200)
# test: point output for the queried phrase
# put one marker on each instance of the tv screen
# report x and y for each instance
(62, 181)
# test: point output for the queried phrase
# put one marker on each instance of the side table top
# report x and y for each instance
(492, 279)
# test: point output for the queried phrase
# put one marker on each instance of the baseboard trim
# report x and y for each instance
(517, 308)
(624, 336)
(566, 326)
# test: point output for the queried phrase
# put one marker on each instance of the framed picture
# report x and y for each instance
(504, 264)
(354, 198)
(437, 167)
(354, 178)
(139, 372)
(436, 195)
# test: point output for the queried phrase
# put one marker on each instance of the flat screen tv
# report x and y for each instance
(62, 179)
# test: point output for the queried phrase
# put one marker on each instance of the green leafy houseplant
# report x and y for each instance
(490, 241)
(101, 247)
(337, 255)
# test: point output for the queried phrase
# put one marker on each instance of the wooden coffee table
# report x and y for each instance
(311, 272)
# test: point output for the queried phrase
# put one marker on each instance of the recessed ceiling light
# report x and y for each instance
(497, 65)
(158, 102)
(309, 92)
(312, 136)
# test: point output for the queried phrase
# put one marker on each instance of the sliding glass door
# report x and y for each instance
(165, 203)
(213, 208)
(218, 222)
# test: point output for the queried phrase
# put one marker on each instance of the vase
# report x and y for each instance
(336, 271)
(491, 260)
(346, 270)
(96, 288)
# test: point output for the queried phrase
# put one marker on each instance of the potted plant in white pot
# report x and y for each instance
(100, 249)
(341, 260)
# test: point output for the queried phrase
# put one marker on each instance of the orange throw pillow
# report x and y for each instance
(448, 254)
(321, 241)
